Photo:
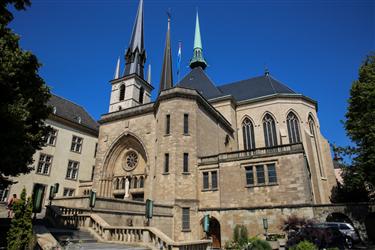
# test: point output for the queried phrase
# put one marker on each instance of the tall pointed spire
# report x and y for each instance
(166, 80)
(198, 59)
(135, 55)
(117, 72)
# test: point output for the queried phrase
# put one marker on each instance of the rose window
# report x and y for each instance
(131, 160)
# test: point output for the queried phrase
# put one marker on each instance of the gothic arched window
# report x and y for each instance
(311, 125)
(293, 128)
(123, 181)
(141, 182)
(122, 92)
(248, 134)
(117, 184)
(135, 182)
(269, 129)
(141, 93)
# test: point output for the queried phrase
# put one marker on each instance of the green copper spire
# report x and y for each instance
(197, 60)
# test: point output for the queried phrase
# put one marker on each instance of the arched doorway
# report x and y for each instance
(214, 233)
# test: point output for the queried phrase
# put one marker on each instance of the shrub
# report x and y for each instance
(20, 234)
(258, 244)
(240, 234)
(304, 245)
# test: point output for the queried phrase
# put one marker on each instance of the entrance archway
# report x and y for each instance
(214, 233)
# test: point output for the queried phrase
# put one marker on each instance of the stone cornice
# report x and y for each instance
(176, 92)
(69, 123)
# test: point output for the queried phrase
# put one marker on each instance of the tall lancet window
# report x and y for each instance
(248, 134)
(141, 94)
(269, 129)
(293, 128)
(122, 92)
(311, 126)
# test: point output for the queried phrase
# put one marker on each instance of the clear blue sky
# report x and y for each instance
(315, 47)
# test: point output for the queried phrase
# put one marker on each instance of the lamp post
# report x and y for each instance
(265, 226)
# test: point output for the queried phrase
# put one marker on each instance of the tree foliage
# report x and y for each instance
(23, 99)
(359, 174)
(20, 234)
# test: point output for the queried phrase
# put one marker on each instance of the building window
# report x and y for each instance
(68, 192)
(76, 144)
(72, 172)
(249, 176)
(313, 133)
(122, 92)
(248, 134)
(205, 180)
(185, 218)
(166, 163)
(272, 177)
(269, 129)
(92, 173)
(260, 174)
(168, 124)
(135, 182)
(293, 128)
(141, 93)
(214, 179)
(311, 126)
(44, 164)
(51, 138)
(186, 124)
(186, 163)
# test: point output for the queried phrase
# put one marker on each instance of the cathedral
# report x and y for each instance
(242, 153)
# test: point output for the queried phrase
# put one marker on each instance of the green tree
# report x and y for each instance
(23, 99)
(20, 234)
(359, 174)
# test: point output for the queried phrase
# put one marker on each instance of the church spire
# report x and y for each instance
(135, 55)
(166, 80)
(197, 60)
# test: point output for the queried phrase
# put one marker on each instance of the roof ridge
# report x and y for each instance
(243, 80)
(274, 79)
(268, 78)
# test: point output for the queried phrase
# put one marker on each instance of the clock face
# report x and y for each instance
(130, 161)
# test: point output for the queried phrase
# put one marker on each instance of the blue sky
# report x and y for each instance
(315, 47)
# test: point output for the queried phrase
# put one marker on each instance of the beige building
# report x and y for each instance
(69, 155)
(240, 152)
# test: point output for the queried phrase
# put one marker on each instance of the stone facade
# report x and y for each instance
(214, 145)
(60, 153)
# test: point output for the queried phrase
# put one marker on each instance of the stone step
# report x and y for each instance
(66, 236)
(94, 246)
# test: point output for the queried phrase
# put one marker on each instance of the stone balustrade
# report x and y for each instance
(142, 236)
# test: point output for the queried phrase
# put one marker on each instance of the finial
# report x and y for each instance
(149, 74)
(266, 71)
(117, 72)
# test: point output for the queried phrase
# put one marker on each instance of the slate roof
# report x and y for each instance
(197, 79)
(71, 111)
(255, 87)
(241, 90)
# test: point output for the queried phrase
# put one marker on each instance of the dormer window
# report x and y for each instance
(54, 109)
(79, 119)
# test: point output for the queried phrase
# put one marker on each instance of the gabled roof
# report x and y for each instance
(198, 80)
(72, 112)
(255, 87)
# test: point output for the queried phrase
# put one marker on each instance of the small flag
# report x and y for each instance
(179, 60)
